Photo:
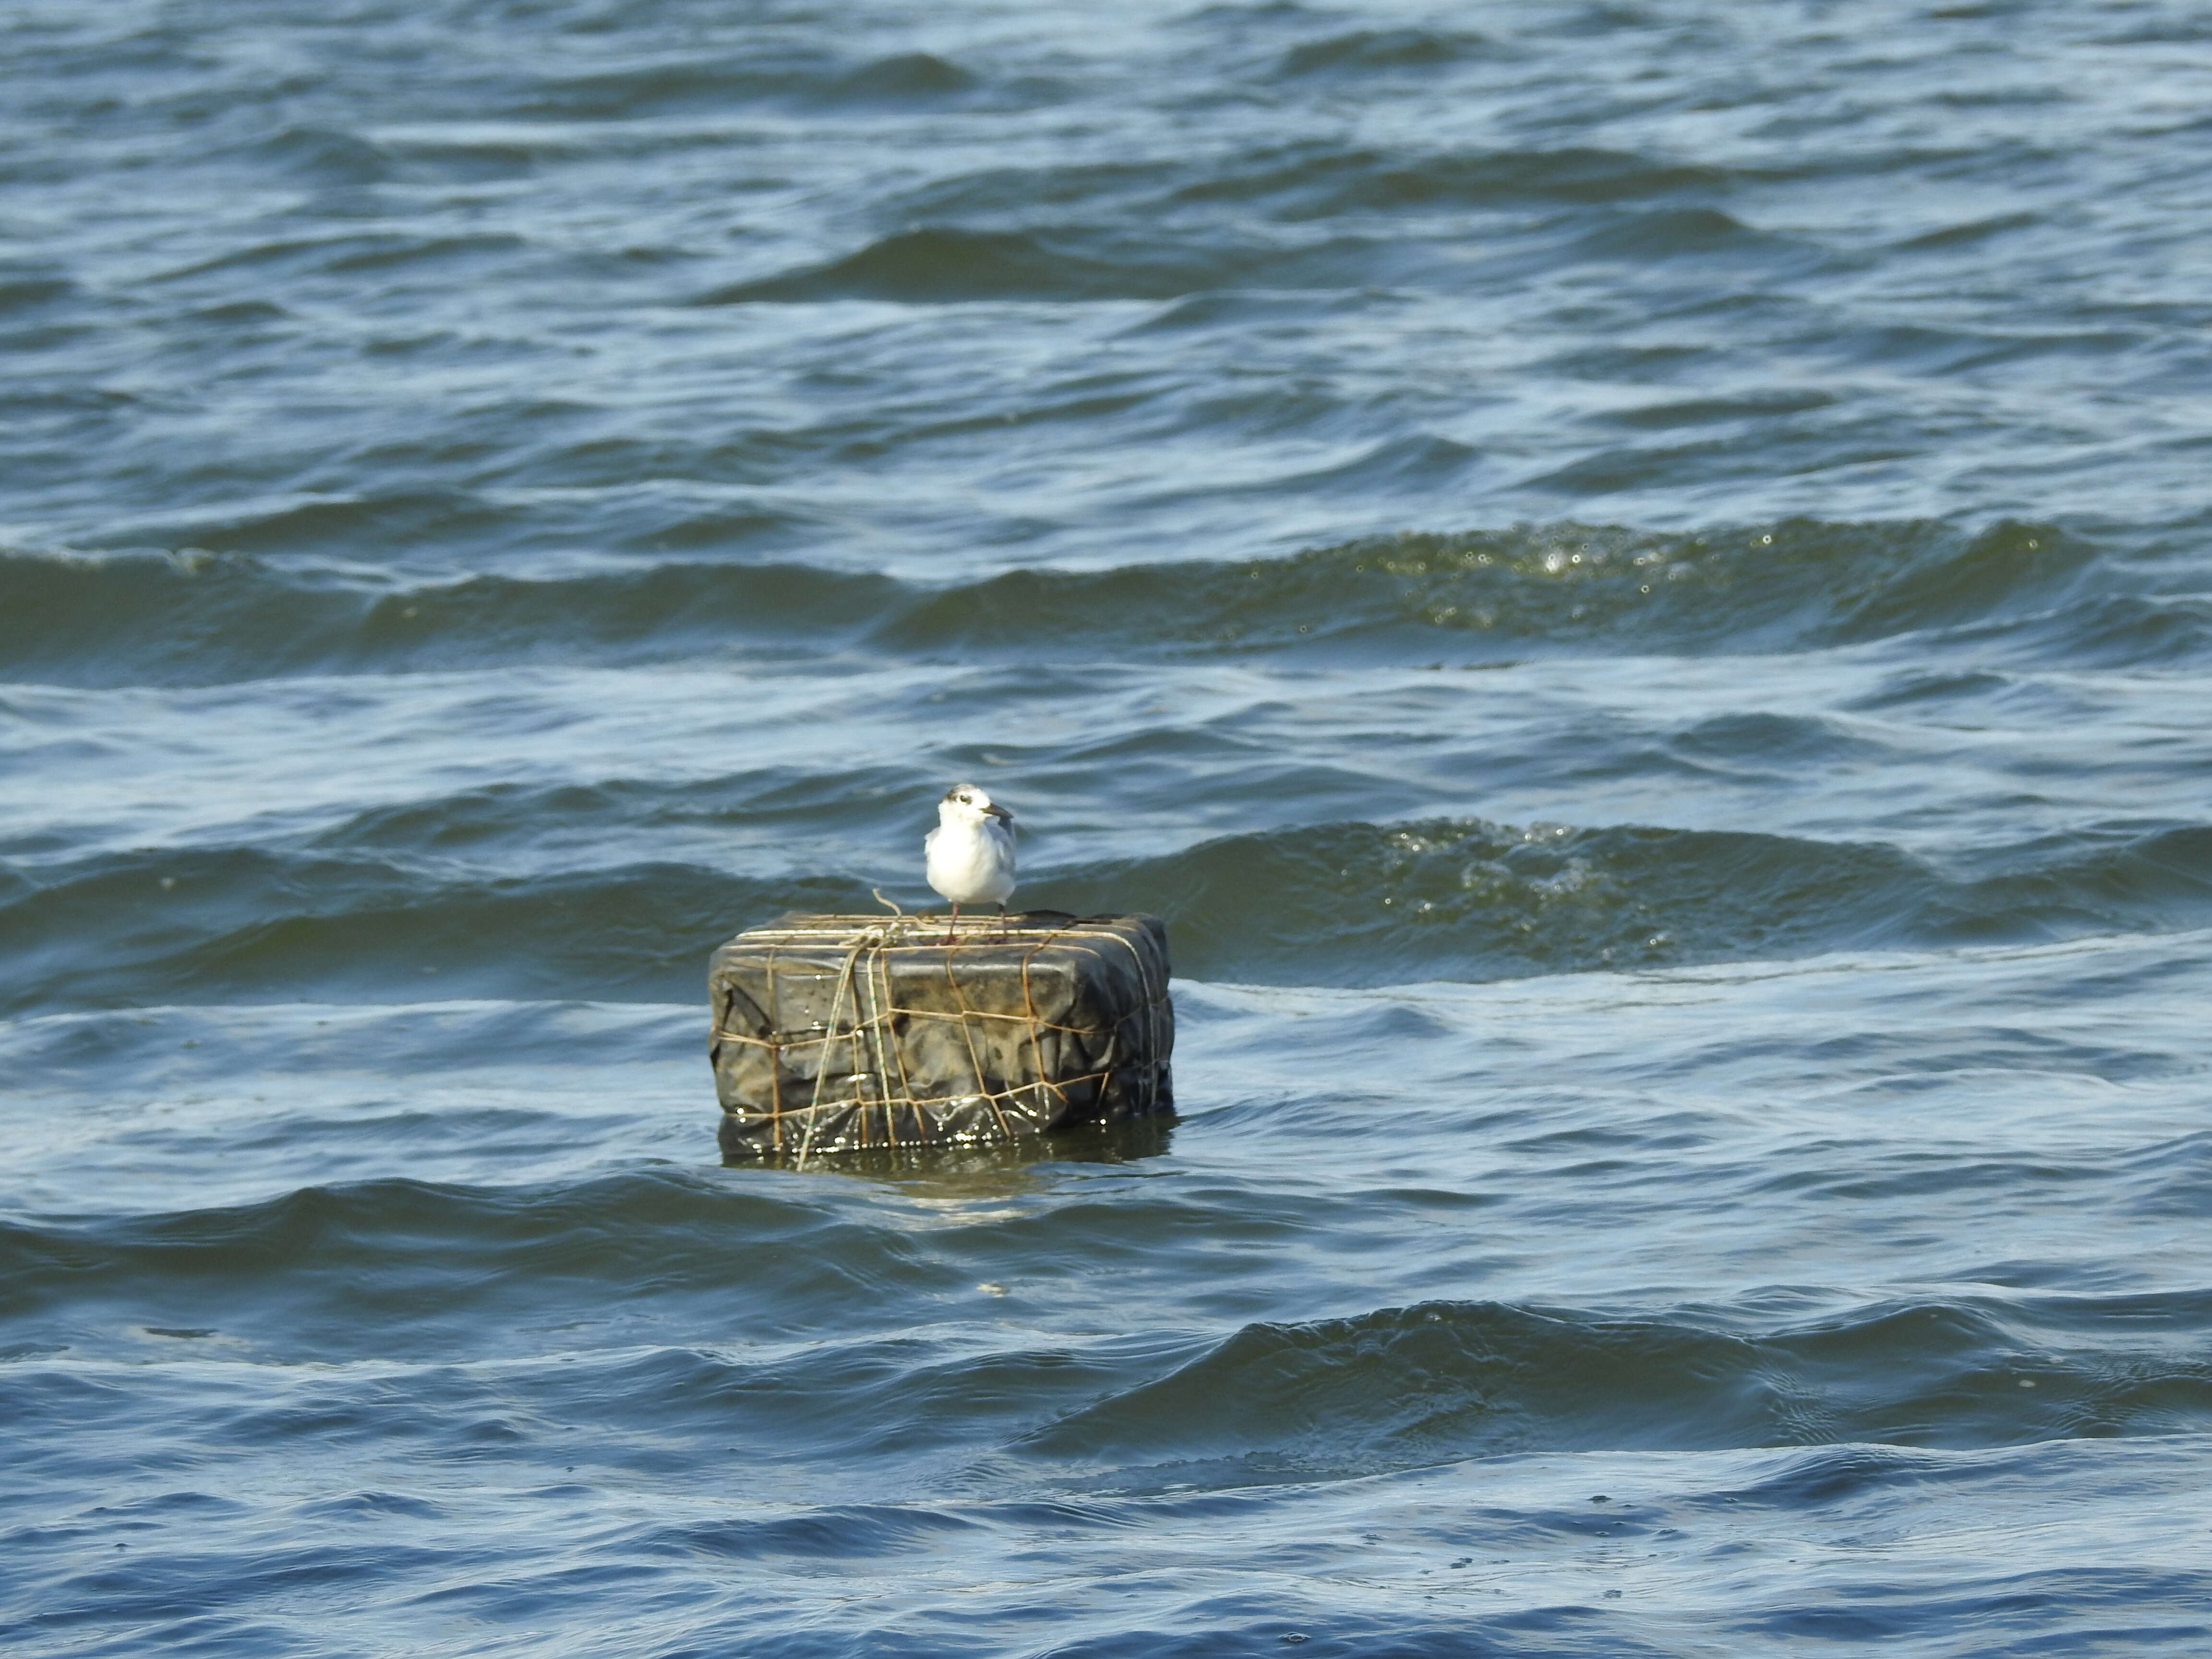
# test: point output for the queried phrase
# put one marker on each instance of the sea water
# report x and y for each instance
(1634, 580)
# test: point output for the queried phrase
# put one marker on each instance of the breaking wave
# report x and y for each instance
(204, 618)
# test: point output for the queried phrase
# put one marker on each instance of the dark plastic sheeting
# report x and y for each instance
(838, 1032)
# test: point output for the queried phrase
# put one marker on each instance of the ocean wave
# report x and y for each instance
(946, 265)
(255, 925)
(710, 83)
(1361, 903)
(1320, 181)
(205, 617)
(1446, 1380)
(24, 291)
(353, 253)
(1305, 181)
(1367, 51)
(818, 1363)
(1154, 233)
(385, 908)
(289, 1270)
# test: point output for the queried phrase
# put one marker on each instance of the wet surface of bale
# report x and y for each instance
(832, 1033)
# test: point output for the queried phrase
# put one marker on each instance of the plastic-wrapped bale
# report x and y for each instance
(838, 1032)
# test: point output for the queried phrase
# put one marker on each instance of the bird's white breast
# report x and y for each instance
(970, 863)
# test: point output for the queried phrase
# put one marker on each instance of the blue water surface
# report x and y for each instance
(1634, 581)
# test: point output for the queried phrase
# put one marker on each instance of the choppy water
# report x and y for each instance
(1632, 578)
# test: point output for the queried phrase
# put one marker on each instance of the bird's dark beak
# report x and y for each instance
(999, 812)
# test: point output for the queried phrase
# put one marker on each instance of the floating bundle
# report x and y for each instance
(837, 1032)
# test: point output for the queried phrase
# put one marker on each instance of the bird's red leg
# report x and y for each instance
(952, 927)
(1002, 921)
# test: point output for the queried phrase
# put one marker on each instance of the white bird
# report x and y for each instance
(970, 856)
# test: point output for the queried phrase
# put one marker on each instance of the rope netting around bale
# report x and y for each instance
(866, 1012)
